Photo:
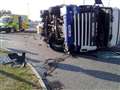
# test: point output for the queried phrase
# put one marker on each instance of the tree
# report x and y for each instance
(5, 12)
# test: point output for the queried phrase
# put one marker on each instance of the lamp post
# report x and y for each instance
(27, 7)
(83, 2)
(108, 3)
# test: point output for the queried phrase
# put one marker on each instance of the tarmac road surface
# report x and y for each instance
(65, 72)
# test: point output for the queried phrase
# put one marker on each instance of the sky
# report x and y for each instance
(32, 7)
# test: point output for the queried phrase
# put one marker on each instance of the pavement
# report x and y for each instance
(65, 72)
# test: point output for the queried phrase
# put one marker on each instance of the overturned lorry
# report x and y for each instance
(81, 28)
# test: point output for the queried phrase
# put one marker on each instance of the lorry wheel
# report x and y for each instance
(22, 30)
(12, 30)
(8, 31)
(54, 45)
(15, 30)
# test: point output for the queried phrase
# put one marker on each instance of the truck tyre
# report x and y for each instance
(15, 30)
(22, 30)
(12, 30)
(8, 31)
(54, 45)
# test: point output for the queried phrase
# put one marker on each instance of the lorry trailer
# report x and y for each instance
(81, 28)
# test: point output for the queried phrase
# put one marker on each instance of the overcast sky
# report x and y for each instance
(33, 7)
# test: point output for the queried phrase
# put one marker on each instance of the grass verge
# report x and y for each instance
(17, 78)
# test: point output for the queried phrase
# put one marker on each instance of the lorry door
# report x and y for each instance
(102, 29)
(20, 22)
(115, 27)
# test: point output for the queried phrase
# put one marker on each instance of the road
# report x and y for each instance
(64, 72)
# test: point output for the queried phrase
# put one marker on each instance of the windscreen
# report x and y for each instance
(5, 20)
